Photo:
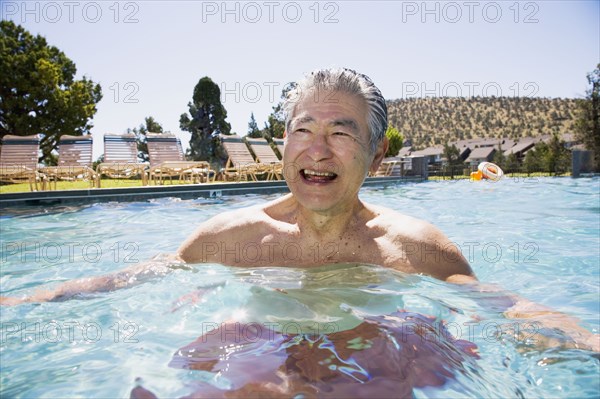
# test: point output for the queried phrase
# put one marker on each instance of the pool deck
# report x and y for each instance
(187, 191)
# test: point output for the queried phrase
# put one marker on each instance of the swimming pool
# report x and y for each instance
(537, 237)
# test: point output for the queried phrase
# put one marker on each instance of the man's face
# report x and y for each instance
(327, 154)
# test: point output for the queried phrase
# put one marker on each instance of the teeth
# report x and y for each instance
(315, 173)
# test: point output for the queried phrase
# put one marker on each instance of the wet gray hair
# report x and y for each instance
(347, 81)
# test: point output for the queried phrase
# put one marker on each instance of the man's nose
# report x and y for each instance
(319, 147)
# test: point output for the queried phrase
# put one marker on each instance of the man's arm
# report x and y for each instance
(136, 274)
(450, 265)
(191, 251)
(518, 307)
(436, 255)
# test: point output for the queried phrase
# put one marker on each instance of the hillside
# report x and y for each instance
(436, 120)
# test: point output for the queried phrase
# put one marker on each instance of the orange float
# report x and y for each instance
(487, 170)
(476, 175)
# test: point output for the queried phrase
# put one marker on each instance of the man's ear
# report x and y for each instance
(382, 148)
(285, 133)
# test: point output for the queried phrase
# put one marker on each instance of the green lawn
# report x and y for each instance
(80, 185)
(118, 183)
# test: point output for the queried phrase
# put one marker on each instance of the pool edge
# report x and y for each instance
(188, 191)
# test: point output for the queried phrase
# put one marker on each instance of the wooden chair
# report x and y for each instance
(167, 160)
(240, 163)
(267, 157)
(280, 144)
(120, 159)
(74, 160)
(19, 160)
(392, 166)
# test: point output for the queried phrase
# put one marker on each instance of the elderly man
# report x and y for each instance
(335, 134)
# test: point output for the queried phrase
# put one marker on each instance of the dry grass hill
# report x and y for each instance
(437, 120)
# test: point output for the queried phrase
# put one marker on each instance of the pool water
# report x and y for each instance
(537, 237)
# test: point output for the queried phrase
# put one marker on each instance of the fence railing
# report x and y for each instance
(448, 172)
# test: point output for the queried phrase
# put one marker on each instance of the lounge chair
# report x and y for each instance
(392, 166)
(267, 157)
(385, 169)
(240, 163)
(167, 160)
(120, 159)
(74, 160)
(19, 160)
(279, 143)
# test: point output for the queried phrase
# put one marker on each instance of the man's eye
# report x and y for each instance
(343, 136)
(300, 134)
(301, 130)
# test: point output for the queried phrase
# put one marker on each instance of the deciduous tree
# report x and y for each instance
(395, 141)
(275, 125)
(452, 155)
(38, 90)
(149, 125)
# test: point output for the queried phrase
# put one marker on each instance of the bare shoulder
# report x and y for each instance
(401, 226)
(426, 247)
(230, 227)
(234, 220)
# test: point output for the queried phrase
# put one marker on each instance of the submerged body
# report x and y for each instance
(384, 356)
(109, 369)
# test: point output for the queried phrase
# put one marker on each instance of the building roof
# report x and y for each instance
(484, 142)
(545, 138)
(481, 153)
(569, 137)
(508, 146)
(581, 147)
(429, 151)
(521, 147)
(508, 143)
(404, 151)
(487, 142)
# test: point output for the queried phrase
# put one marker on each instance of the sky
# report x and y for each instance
(149, 55)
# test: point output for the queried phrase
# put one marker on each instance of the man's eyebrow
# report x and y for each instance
(351, 123)
(303, 119)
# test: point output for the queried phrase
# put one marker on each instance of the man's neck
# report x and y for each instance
(328, 224)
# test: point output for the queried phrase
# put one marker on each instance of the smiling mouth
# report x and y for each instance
(317, 177)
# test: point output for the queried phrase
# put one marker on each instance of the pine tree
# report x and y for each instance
(587, 126)
(207, 122)
(253, 130)
(149, 125)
